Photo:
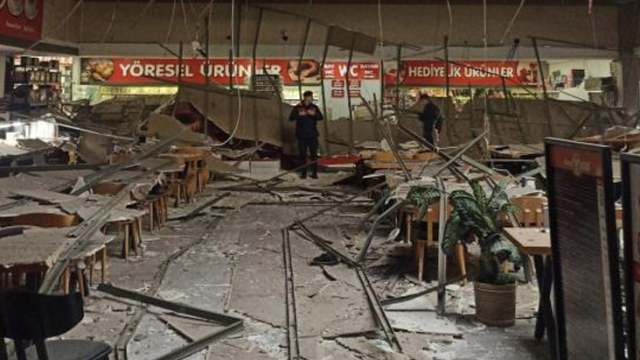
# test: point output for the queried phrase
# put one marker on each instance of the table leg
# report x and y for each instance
(526, 267)
(420, 250)
(549, 318)
(409, 220)
(103, 262)
(540, 323)
(80, 280)
(546, 319)
(152, 207)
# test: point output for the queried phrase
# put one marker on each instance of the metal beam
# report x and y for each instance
(545, 94)
(219, 318)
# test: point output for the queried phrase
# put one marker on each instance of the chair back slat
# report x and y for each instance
(33, 316)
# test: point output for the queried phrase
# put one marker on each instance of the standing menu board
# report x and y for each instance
(585, 251)
(631, 205)
(267, 83)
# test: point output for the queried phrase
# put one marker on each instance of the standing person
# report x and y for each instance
(431, 120)
(306, 115)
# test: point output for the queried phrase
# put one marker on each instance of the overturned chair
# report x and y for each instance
(29, 318)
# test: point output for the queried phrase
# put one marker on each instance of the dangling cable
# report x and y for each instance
(193, 9)
(233, 55)
(186, 25)
(450, 11)
(487, 125)
(592, 18)
(57, 28)
(113, 19)
(173, 15)
(513, 20)
(142, 14)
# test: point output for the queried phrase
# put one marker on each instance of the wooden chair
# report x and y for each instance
(32, 318)
(432, 219)
(120, 158)
(158, 208)
(202, 166)
(183, 185)
(531, 210)
(131, 232)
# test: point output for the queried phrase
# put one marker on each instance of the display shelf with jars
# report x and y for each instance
(35, 83)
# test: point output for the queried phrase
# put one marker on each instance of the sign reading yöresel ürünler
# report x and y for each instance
(631, 207)
(144, 71)
(585, 251)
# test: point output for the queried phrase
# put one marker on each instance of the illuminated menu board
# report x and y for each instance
(586, 252)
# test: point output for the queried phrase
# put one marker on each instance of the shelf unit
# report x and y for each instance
(35, 84)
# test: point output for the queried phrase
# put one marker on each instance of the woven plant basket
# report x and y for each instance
(496, 304)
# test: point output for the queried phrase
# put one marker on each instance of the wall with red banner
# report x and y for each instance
(465, 73)
(21, 19)
(115, 71)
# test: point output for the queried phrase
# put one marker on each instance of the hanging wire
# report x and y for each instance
(173, 15)
(450, 11)
(513, 20)
(113, 19)
(184, 18)
(487, 125)
(57, 28)
(592, 18)
(81, 35)
(239, 94)
(193, 9)
(142, 14)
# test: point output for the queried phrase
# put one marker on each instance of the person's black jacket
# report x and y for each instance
(306, 118)
(430, 117)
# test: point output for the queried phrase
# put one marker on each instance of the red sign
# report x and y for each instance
(153, 71)
(478, 73)
(21, 19)
(354, 93)
(107, 71)
(337, 84)
(579, 162)
(337, 93)
(360, 70)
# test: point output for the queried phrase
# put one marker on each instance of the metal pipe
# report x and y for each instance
(348, 80)
(383, 216)
(206, 77)
(544, 85)
(447, 84)
(325, 53)
(303, 48)
(398, 74)
(442, 257)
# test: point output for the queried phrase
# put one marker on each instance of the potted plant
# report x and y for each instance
(477, 217)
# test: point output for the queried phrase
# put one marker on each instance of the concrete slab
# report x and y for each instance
(422, 322)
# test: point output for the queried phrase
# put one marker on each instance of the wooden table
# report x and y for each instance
(32, 251)
(536, 242)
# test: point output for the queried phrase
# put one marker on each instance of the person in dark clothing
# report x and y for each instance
(306, 115)
(431, 120)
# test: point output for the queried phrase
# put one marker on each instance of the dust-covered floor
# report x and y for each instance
(230, 259)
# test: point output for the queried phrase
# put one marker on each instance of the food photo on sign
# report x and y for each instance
(309, 71)
(31, 9)
(16, 7)
(96, 71)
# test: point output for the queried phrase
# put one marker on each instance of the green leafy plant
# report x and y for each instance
(475, 216)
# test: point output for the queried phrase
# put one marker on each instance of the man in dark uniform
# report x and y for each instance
(431, 119)
(306, 115)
